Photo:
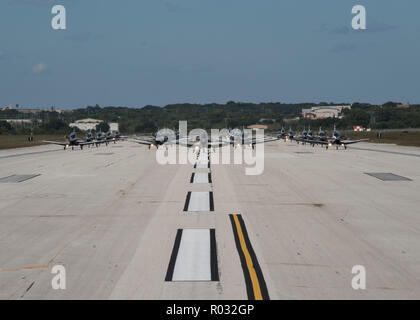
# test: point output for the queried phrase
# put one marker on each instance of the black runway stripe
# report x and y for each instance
(174, 254)
(187, 201)
(213, 256)
(211, 201)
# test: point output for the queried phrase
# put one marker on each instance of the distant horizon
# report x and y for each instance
(206, 103)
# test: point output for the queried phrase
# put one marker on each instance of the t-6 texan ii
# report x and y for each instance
(336, 140)
(244, 138)
(160, 138)
(73, 141)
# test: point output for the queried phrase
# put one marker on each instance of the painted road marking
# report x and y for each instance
(194, 256)
(199, 201)
(203, 157)
(200, 177)
(202, 164)
(254, 279)
(16, 178)
(384, 176)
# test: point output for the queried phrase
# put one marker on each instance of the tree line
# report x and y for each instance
(229, 115)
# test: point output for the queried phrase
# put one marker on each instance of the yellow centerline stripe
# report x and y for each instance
(253, 274)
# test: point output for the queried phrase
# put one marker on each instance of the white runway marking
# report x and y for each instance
(202, 164)
(199, 201)
(194, 256)
(200, 177)
(193, 260)
(203, 157)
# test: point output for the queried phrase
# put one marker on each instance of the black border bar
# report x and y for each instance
(171, 266)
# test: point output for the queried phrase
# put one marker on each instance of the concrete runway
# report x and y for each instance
(110, 216)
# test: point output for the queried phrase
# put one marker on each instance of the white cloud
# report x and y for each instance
(38, 68)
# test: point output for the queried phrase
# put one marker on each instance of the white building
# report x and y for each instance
(10, 107)
(21, 121)
(324, 112)
(90, 124)
(113, 126)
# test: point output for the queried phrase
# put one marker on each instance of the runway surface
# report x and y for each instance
(124, 227)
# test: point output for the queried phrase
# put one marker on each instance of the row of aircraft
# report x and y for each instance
(234, 138)
(90, 139)
(307, 137)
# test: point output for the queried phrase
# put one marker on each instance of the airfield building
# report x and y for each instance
(324, 112)
(90, 124)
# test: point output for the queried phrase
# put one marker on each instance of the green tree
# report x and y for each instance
(103, 126)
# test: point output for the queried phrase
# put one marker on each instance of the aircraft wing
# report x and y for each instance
(263, 140)
(317, 141)
(184, 142)
(56, 142)
(300, 139)
(141, 141)
(252, 141)
(100, 141)
(85, 143)
(135, 137)
(181, 142)
(210, 144)
(123, 138)
(346, 142)
(218, 144)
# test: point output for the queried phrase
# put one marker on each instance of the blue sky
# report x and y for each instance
(139, 52)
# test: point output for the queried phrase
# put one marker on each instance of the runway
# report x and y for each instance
(112, 217)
